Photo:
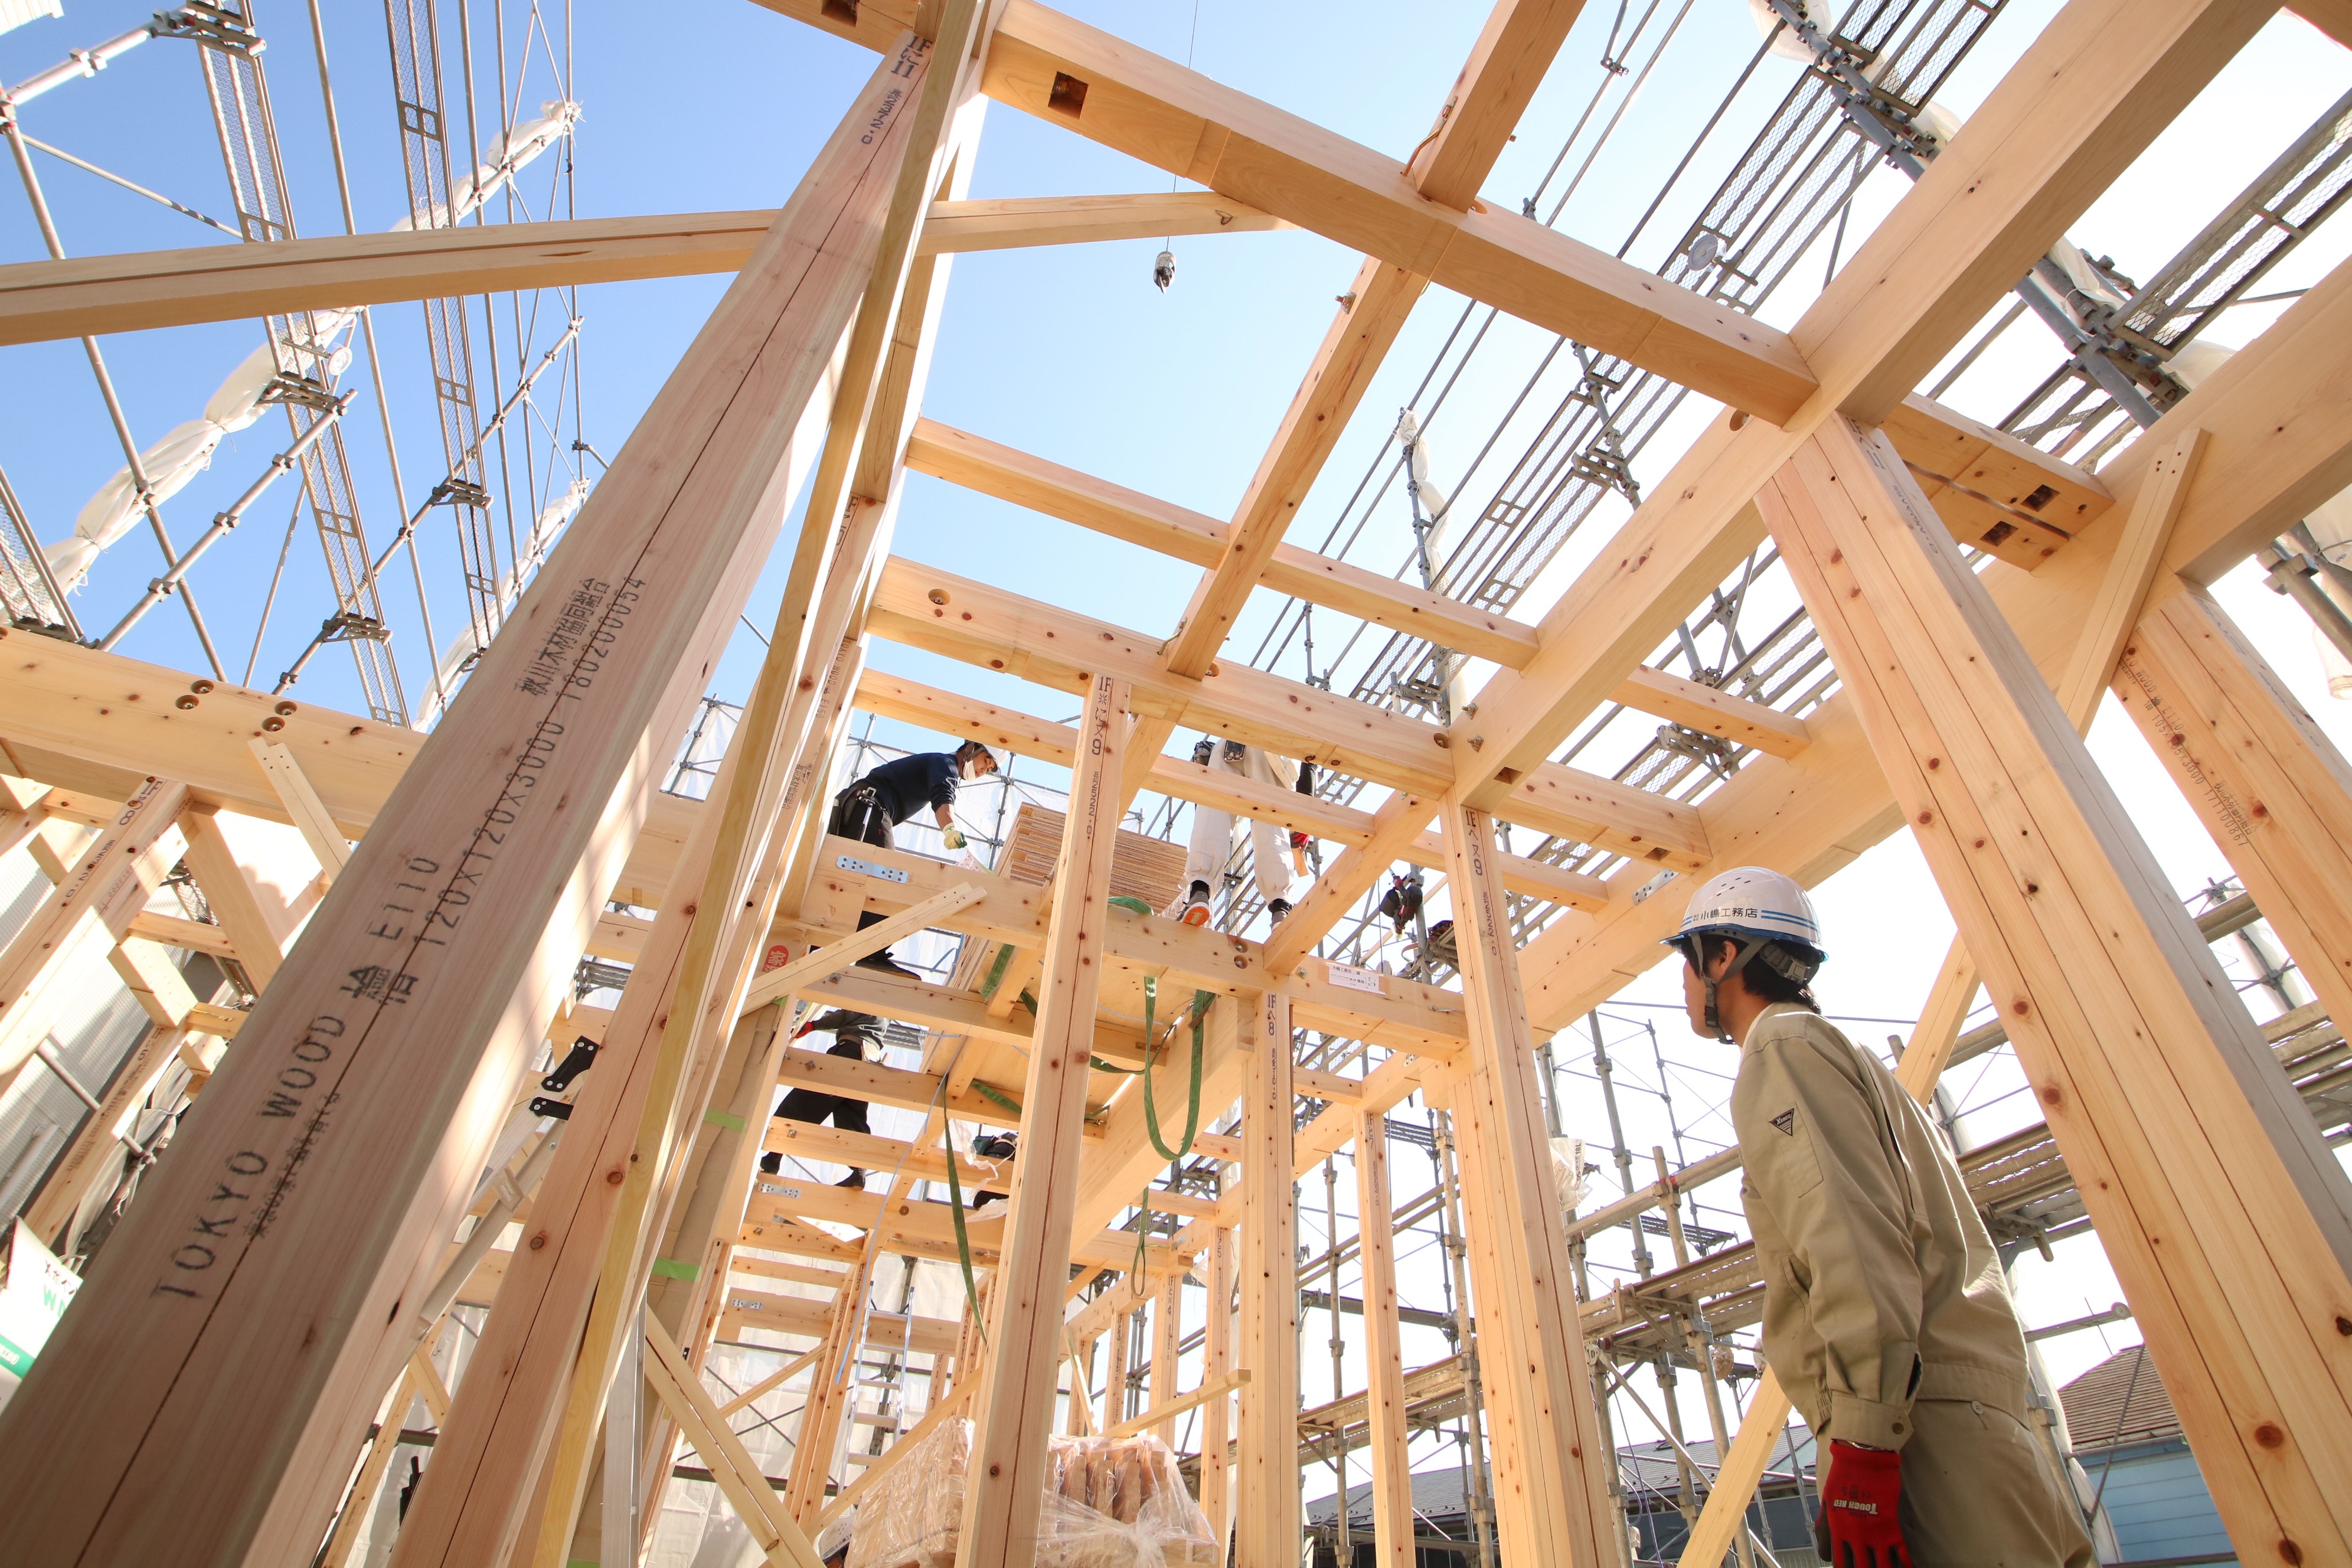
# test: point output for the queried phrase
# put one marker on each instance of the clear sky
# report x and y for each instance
(1068, 352)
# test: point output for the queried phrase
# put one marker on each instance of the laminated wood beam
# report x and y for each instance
(1386, 1442)
(1265, 1491)
(100, 894)
(1153, 109)
(432, 966)
(1217, 1362)
(1002, 729)
(2227, 1220)
(1167, 1342)
(1005, 1489)
(925, 607)
(1813, 813)
(2261, 773)
(87, 721)
(1553, 1500)
(42, 301)
(2087, 96)
(990, 468)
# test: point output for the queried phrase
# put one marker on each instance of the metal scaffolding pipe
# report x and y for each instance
(164, 586)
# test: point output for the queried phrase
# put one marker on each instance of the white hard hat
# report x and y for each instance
(1752, 901)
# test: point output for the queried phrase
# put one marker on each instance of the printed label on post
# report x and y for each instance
(1354, 978)
(887, 873)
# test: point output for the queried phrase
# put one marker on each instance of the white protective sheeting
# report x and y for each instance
(550, 521)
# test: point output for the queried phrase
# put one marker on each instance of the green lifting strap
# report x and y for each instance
(1129, 901)
(996, 971)
(963, 1241)
(1202, 1001)
(997, 1097)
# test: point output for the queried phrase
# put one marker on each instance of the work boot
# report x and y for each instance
(1276, 910)
(887, 964)
(857, 1178)
(772, 1164)
(1196, 905)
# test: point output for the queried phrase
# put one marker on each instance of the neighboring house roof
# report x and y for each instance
(2119, 1403)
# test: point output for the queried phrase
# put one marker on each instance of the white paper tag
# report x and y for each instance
(887, 873)
(1354, 978)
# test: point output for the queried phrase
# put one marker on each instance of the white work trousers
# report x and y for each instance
(1213, 829)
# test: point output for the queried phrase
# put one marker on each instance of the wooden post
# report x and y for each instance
(1392, 1527)
(106, 886)
(1119, 1343)
(1268, 1526)
(831, 1393)
(2223, 1215)
(1552, 1493)
(1167, 1335)
(213, 1397)
(1216, 1423)
(1016, 1409)
(2263, 777)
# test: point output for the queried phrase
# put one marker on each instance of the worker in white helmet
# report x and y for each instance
(1887, 1313)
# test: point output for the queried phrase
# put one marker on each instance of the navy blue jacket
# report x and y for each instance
(913, 782)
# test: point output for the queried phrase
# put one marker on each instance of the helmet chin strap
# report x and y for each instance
(1738, 961)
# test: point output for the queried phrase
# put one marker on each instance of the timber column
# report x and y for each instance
(1268, 1526)
(2223, 1214)
(1005, 1487)
(1551, 1488)
(2268, 784)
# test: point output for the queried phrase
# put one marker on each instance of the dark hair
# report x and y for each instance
(1760, 980)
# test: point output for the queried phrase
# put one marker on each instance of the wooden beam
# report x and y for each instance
(294, 791)
(1152, 109)
(990, 468)
(88, 296)
(771, 1528)
(98, 723)
(1002, 729)
(1167, 1342)
(1005, 1486)
(1387, 1437)
(925, 607)
(2259, 769)
(2031, 158)
(1216, 1415)
(2226, 1218)
(223, 1408)
(1009, 223)
(1554, 1504)
(2124, 589)
(1267, 1522)
(106, 886)
(1164, 1413)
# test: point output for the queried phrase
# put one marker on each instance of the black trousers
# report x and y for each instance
(858, 812)
(814, 1105)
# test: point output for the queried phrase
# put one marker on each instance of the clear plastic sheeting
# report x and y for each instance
(1567, 1174)
(1113, 1502)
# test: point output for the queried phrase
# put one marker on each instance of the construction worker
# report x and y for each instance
(1213, 833)
(1886, 1310)
(870, 808)
(856, 1035)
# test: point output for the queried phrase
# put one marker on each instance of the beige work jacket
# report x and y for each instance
(1881, 1285)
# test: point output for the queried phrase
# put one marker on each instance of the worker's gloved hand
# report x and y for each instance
(1860, 1498)
(953, 837)
(1202, 750)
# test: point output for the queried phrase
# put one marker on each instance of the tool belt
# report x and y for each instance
(858, 812)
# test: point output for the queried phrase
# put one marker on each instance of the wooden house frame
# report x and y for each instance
(208, 1397)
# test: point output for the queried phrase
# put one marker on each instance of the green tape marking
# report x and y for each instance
(671, 1269)
(730, 1121)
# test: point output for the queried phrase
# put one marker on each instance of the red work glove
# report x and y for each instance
(1859, 1506)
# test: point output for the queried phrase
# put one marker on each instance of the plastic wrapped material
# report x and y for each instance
(1113, 1502)
(1568, 1173)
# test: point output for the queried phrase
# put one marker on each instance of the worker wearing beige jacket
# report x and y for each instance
(1886, 1313)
